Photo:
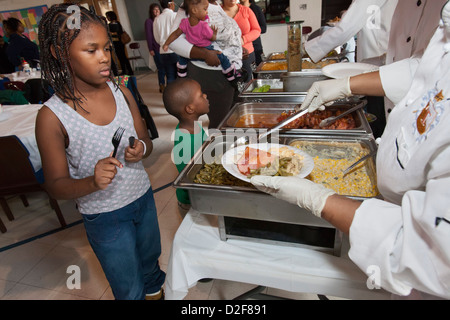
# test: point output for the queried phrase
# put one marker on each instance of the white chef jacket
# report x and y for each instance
(372, 28)
(413, 25)
(162, 27)
(401, 236)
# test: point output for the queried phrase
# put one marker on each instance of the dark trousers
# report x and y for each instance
(119, 48)
(169, 65)
(247, 66)
(221, 94)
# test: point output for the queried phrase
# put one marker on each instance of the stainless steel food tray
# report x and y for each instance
(244, 108)
(299, 81)
(246, 202)
(276, 93)
(276, 74)
(273, 56)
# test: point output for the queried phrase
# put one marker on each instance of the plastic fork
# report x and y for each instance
(116, 139)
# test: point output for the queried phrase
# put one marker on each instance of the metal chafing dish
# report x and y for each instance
(270, 74)
(262, 73)
(247, 108)
(290, 88)
(275, 94)
(299, 81)
(245, 212)
(276, 56)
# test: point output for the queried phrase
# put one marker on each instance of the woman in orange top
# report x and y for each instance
(247, 22)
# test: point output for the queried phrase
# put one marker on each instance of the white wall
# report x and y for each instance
(275, 38)
(309, 11)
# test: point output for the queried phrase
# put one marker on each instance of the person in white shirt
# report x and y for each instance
(207, 70)
(162, 27)
(405, 235)
(413, 24)
(369, 20)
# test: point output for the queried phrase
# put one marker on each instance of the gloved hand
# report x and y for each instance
(302, 192)
(323, 93)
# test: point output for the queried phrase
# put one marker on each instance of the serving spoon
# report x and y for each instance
(326, 122)
(245, 139)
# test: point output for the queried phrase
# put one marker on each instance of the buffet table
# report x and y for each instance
(198, 253)
(20, 120)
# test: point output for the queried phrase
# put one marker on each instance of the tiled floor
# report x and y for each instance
(36, 257)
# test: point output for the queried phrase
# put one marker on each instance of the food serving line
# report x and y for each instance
(235, 232)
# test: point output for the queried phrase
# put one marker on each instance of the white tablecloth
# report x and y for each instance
(20, 120)
(22, 76)
(198, 252)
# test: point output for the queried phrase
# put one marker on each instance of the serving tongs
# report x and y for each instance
(245, 139)
(364, 158)
(326, 122)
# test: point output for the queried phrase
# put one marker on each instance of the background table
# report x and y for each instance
(198, 253)
(23, 76)
(20, 120)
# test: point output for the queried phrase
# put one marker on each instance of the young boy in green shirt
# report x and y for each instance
(184, 99)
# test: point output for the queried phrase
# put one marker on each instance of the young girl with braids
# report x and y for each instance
(74, 130)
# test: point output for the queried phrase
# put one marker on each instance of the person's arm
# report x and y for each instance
(255, 29)
(339, 211)
(156, 32)
(351, 23)
(214, 33)
(173, 36)
(58, 182)
(319, 200)
(324, 93)
(368, 84)
(260, 17)
(149, 34)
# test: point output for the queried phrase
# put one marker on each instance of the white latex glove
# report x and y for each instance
(323, 93)
(302, 192)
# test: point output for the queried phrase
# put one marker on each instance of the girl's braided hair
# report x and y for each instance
(56, 33)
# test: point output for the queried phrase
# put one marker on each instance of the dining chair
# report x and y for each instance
(136, 55)
(37, 91)
(17, 176)
(2, 227)
(14, 85)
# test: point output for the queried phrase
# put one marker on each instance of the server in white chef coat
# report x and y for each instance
(406, 235)
(370, 20)
(413, 24)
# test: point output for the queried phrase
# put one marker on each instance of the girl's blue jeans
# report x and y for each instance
(127, 243)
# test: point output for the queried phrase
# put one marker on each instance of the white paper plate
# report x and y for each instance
(347, 69)
(230, 158)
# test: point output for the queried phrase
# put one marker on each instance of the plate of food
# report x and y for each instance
(268, 159)
(347, 69)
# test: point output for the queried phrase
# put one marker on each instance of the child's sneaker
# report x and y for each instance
(238, 83)
(230, 73)
(181, 70)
